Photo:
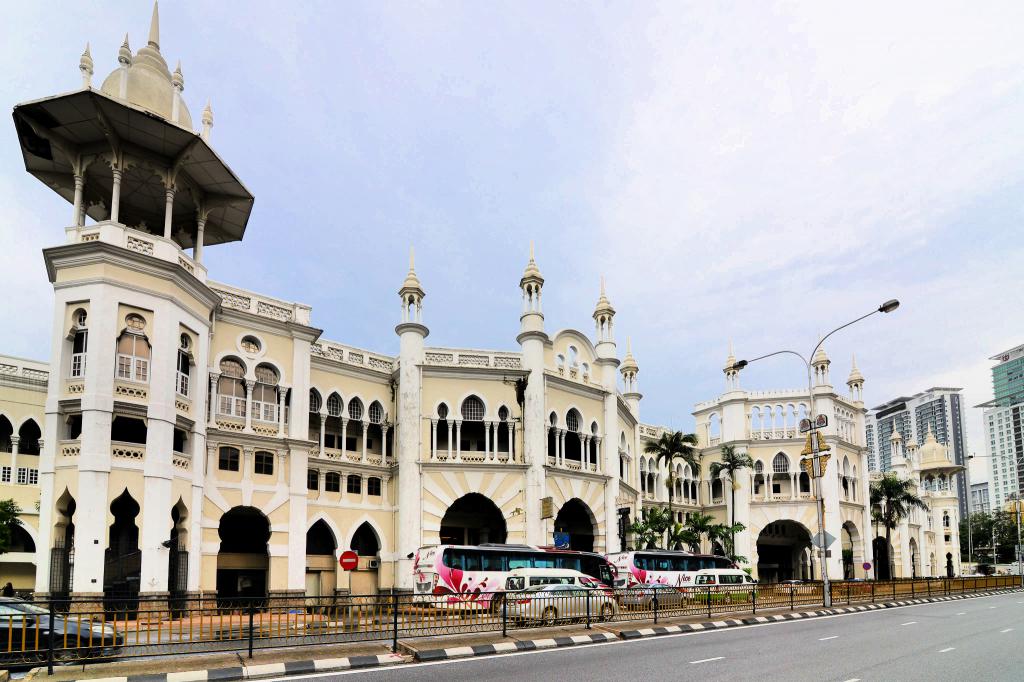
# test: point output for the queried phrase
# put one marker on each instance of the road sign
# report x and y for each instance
(561, 541)
(805, 425)
(867, 565)
(348, 560)
(547, 507)
(821, 421)
(817, 540)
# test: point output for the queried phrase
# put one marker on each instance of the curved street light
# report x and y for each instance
(887, 307)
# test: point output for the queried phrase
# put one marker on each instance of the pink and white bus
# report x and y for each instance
(473, 575)
(666, 567)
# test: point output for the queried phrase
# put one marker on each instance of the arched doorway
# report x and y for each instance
(63, 551)
(575, 527)
(853, 556)
(882, 551)
(122, 566)
(915, 559)
(177, 556)
(366, 544)
(321, 571)
(243, 561)
(783, 549)
(472, 520)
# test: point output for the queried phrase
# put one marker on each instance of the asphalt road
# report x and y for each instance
(979, 639)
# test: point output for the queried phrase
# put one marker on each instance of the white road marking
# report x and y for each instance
(942, 651)
(912, 622)
(1006, 630)
(708, 660)
(962, 613)
(853, 679)
(822, 639)
(991, 607)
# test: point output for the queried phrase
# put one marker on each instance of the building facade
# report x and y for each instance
(938, 409)
(1003, 418)
(198, 437)
(980, 503)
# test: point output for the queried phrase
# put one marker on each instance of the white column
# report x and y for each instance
(248, 405)
(487, 440)
(433, 439)
(323, 428)
(561, 447)
(344, 435)
(458, 440)
(547, 439)
(197, 248)
(214, 400)
(451, 435)
(511, 434)
(282, 391)
(585, 453)
(384, 448)
(76, 215)
(14, 458)
(115, 196)
(168, 211)
(793, 479)
(366, 429)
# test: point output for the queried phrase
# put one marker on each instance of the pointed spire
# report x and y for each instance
(207, 121)
(85, 66)
(532, 272)
(604, 307)
(154, 26)
(178, 80)
(730, 360)
(855, 375)
(412, 259)
(124, 54)
(412, 282)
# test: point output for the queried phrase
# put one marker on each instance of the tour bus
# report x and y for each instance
(674, 568)
(475, 575)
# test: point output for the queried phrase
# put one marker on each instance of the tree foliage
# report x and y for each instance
(1001, 525)
(9, 511)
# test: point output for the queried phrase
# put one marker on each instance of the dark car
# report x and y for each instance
(25, 629)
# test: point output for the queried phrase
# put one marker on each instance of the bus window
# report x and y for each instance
(644, 562)
(471, 561)
(570, 562)
(543, 561)
(705, 580)
(518, 561)
(452, 559)
(492, 561)
(664, 563)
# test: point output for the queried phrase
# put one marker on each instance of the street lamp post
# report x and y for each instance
(817, 470)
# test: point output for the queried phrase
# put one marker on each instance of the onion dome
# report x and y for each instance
(855, 376)
(629, 362)
(604, 307)
(532, 273)
(935, 455)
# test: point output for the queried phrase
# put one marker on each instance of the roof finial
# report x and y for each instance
(124, 54)
(412, 259)
(177, 79)
(154, 26)
(629, 345)
(207, 121)
(85, 66)
(531, 249)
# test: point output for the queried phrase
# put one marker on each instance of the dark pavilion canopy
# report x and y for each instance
(88, 128)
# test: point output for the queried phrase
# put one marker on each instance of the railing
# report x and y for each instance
(87, 630)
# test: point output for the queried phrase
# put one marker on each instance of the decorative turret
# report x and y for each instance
(207, 122)
(124, 53)
(820, 363)
(85, 67)
(629, 369)
(532, 318)
(412, 294)
(732, 374)
(896, 445)
(935, 456)
(604, 316)
(178, 80)
(855, 381)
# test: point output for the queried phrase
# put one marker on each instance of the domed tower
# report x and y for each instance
(608, 362)
(629, 370)
(856, 382)
(938, 475)
(732, 374)
(532, 340)
(411, 333)
(820, 363)
(130, 344)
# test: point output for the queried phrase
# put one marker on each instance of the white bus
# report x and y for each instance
(474, 575)
(667, 567)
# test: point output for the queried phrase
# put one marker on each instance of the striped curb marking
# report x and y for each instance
(250, 672)
(508, 647)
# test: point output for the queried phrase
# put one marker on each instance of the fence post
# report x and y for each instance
(928, 584)
(894, 589)
(753, 599)
(654, 602)
(394, 621)
(49, 639)
(709, 601)
(588, 608)
(792, 588)
(912, 581)
(872, 591)
(252, 612)
(847, 594)
(504, 616)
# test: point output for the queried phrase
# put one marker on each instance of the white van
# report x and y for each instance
(523, 578)
(722, 576)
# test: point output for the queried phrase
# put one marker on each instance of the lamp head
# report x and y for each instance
(889, 306)
(740, 364)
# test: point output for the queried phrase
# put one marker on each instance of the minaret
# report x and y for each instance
(629, 370)
(607, 359)
(732, 375)
(820, 363)
(411, 333)
(856, 382)
(207, 122)
(85, 66)
(532, 340)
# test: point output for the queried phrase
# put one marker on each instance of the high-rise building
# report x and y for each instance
(938, 408)
(980, 498)
(1003, 418)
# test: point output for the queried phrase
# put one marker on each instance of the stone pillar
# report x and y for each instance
(323, 427)
(76, 215)
(408, 448)
(214, 400)
(511, 441)
(451, 436)
(115, 196)
(487, 440)
(282, 393)
(168, 211)
(249, 385)
(197, 248)
(458, 440)
(366, 429)
(433, 438)
(14, 458)
(384, 444)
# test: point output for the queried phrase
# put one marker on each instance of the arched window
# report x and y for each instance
(133, 351)
(79, 345)
(503, 413)
(573, 356)
(560, 362)
(251, 345)
(334, 405)
(6, 431)
(945, 519)
(376, 413)
(312, 479)
(553, 419)
(265, 394)
(332, 482)
(373, 486)
(184, 368)
(758, 467)
(442, 411)
(228, 459)
(231, 388)
(585, 368)
(355, 409)
(354, 484)
(263, 463)
(572, 421)
(28, 438)
(315, 401)
(780, 465)
(472, 409)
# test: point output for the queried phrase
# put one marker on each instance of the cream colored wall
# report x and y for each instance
(493, 392)
(133, 279)
(504, 487)
(276, 350)
(560, 402)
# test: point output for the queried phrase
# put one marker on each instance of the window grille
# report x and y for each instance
(780, 465)
(758, 467)
(315, 403)
(332, 482)
(312, 479)
(28, 476)
(376, 413)
(264, 463)
(228, 460)
(373, 487)
(334, 405)
(355, 409)
(251, 345)
(135, 322)
(354, 484)
(472, 409)
(572, 421)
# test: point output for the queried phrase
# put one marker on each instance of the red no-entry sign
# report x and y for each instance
(348, 560)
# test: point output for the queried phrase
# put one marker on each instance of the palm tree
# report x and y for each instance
(670, 447)
(704, 526)
(651, 529)
(732, 462)
(896, 497)
(680, 535)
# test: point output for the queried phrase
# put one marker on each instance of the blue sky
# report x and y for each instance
(751, 171)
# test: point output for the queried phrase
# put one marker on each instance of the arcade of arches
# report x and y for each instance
(473, 520)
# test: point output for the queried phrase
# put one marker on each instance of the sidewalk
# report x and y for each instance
(295, 660)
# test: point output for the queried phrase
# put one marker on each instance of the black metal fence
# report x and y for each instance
(34, 633)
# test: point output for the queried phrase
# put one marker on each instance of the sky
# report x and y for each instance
(754, 173)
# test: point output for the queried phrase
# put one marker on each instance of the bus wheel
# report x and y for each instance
(607, 612)
(549, 616)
